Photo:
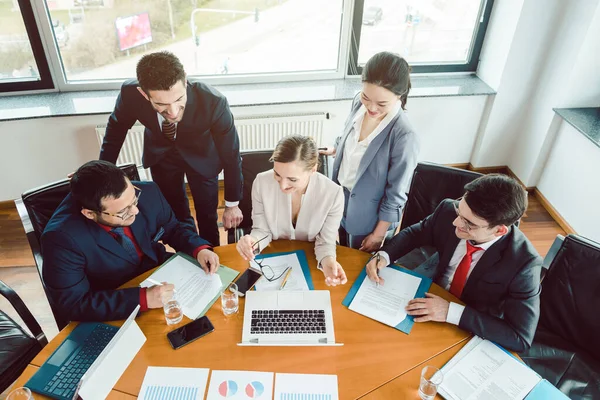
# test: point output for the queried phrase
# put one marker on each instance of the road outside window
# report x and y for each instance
(104, 39)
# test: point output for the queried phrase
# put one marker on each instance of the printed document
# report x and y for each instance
(386, 303)
(279, 264)
(306, 386)
(485, 371)
(195, 289)
(174, 383)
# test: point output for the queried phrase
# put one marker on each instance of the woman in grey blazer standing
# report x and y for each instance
(376, 155)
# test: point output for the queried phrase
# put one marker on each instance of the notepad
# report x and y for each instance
(483, 369)
(196, 290)
(386, 303)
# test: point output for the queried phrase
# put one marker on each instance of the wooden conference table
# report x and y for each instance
(374, 361)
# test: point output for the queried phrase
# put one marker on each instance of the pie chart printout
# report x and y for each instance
(228, 388)
(255, 389)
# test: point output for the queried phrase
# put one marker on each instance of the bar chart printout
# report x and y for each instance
(306, 387)
(164, 383)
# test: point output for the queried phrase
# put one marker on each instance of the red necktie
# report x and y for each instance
(169, 129)
(460, 276)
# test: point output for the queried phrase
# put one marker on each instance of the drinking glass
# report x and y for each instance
(21, 393)
(229, 300)
(172, 309)
(431, 378)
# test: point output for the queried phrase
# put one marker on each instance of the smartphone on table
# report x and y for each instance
(247, 280)
(190, 332)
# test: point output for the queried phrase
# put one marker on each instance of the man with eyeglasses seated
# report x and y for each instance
(106, 232)
(485, 260)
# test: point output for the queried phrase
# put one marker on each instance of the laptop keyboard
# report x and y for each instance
(288, 321)
(65, 381)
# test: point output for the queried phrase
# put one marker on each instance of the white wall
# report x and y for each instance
(552, 55)
(39, 151)
(570, 181)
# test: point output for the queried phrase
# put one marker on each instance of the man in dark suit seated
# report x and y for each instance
(485, 260)
(189, 130)
(106, 232)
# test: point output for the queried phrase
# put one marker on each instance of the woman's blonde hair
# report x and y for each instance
(297, 148)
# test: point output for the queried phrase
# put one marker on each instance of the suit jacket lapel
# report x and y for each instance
(188, 114)
(446, 255)
(140, 233)
(340, 149)
(107, 242)
(487, 262)
(372, 150)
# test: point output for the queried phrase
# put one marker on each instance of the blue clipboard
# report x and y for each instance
(303, 263)
(408, 322)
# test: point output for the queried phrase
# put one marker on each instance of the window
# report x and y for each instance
(104, 39)
(433, 35)
(95, 44)
(23, 65)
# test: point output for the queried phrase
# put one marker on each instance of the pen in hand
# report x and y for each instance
(157, 283)
(377, 258)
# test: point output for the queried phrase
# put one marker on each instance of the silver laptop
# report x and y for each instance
(294, 318)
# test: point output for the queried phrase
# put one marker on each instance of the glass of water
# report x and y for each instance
(229, 300)
(21, 393)
(431, 378)
(172, 308)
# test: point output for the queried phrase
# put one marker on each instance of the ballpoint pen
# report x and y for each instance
(287, 275)
(377, 258)
(157, 283)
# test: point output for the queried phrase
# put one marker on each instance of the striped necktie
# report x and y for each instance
(126, 242)
(169, 129)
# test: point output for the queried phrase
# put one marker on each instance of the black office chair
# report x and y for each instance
(253, 163)
(37, 206)
(17, 347)
(566, 346)
(431, 183)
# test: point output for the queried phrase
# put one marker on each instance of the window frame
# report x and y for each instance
(52, 77)
(485, 12)
(33, 33)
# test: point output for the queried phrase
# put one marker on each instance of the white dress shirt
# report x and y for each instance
(355, 150)
(456, 310)
(160, 122)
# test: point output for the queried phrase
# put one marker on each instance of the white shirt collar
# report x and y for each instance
(487, 245)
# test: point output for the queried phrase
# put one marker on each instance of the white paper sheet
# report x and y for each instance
(306, 387)
(195, 288)
(296, 281)
(165, 383)
(487, 372)
(238, 385)
(386, 303)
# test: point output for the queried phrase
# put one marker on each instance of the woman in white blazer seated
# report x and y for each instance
(295, 202)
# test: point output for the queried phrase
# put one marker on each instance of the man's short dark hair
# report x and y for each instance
(96, 180)
(497, 198)
(159, 71)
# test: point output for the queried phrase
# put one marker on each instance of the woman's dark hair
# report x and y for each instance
(297, 148)
(159, 71)
(497, 198)
(390, 71)
(96, 180)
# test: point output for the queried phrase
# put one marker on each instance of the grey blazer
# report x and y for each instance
(383, 176)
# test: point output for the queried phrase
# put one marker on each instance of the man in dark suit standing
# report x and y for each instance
(189, 130)
(485, 260)
(106, 232)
